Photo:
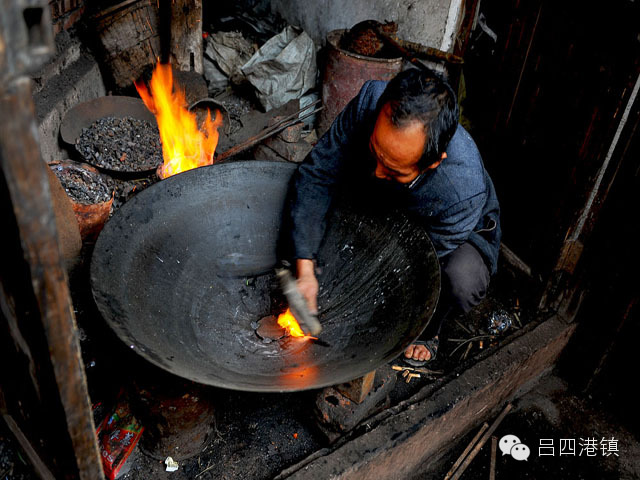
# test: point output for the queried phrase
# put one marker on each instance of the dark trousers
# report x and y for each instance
(465, 279)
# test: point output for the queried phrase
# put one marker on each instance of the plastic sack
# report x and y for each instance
(229, 51)
(282, 69)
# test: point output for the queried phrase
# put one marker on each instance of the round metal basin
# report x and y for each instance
(183, 273)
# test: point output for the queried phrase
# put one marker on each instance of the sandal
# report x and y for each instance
(431, 346)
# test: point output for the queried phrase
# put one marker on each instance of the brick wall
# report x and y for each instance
(64, 13)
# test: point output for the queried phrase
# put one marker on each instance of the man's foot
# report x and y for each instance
(422, 352)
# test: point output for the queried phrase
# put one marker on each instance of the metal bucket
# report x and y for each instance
(91, 217)
(344, 75)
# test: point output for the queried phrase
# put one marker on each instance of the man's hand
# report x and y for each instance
(308, 283)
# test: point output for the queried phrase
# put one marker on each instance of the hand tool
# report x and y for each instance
(308, 322)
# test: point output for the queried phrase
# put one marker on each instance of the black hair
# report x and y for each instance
(422, 95)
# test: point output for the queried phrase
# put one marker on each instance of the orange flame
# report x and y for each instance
(184, 145)
(287, 321)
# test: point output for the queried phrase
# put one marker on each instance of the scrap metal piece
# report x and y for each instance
(411, 376)
(406, 370)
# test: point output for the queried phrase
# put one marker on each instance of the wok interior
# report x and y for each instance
(184, 271)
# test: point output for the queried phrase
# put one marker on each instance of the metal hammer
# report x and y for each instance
(308, 322)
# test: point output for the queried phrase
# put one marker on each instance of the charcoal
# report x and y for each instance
(121, 144)
(83, 186)
(126, 189)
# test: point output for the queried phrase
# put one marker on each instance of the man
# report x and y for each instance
(405, 134)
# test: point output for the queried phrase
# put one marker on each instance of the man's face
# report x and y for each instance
(396, 150)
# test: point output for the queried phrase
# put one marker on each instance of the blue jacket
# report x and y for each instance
(456, 202)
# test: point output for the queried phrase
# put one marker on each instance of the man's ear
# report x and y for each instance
(438, 162)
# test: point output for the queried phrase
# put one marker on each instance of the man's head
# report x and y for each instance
(418, 115)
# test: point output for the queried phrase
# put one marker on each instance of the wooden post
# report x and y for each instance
(186, 35)
(27, 184)
(562, 287)
(357, 390)
(129, 35)
(35, 306)
(492, 466)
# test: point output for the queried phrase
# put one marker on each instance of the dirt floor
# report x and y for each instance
(255, 435)
(551, 414)
(550, 411)
(13, 464)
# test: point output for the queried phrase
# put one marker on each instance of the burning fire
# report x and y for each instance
(184, 145)
(287, 321)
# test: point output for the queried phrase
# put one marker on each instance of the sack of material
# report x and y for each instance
(282, 69)
(229, 51)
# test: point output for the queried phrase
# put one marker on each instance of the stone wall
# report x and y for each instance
(72, 76)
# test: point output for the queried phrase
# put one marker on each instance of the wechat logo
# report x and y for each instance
(511, 445)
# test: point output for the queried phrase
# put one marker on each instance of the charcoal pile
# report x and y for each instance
(83, 186)
(125, 189)
(121, 144)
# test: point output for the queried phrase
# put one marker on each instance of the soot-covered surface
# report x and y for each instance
(256, 436)
(196, 276)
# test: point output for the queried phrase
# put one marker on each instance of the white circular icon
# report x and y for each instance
(507, 442)
(520, 452)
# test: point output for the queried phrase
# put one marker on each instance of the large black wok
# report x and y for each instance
(184, 271)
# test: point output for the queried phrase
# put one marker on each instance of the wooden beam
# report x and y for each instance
(561, 287)
(358, 389)
(28, 187)
(515, 261)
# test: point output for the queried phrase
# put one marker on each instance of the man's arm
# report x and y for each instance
(307, 282)
(315, 183)
(316, 179)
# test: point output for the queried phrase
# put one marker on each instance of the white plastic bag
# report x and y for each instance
(229, 51)
(282, 69)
